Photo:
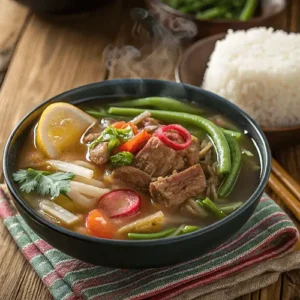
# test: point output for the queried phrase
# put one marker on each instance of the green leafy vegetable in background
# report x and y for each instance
(114, 136)
(121, 159)
(43, 183)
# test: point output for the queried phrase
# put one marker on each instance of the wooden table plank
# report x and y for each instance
(13, 18)
(55, 55)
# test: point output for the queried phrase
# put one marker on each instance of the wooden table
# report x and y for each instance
(41, 57)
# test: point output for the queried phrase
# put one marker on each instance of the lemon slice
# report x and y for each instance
(61, 125)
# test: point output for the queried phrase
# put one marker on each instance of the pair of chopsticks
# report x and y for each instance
(285, 187)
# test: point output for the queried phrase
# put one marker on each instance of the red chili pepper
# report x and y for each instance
(161, 133)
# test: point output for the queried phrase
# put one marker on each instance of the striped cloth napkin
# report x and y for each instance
(253, 258)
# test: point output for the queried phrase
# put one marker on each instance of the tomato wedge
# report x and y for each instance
(98, 225)
(120, 203)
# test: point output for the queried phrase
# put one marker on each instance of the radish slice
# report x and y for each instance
(120, 203)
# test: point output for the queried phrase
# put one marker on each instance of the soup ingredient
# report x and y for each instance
(175, 189)
(72, 168)
(100, 153)
(162, 103)
(189, 229)
(120, 159)
(191, 207)
(141, 117)
(215, 9)
(133, 177)
(59, 126)
(236, 163)
(157, 159)
(88, 190)
(150, 223)
(82, 200)
(211, 207)
(98, 225)
(120, 203)
(162, 131)
(113, 136)
(58, 212)
(92, 181)
(43, 183)
(216, 134)
(230, 207)
(205, 150)
(84, 164)
(135, 143)
(237, 135)
(151, 236)
(258, 75)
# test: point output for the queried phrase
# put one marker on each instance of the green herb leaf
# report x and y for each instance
(43, 183)
(112, 134)
(121, 159)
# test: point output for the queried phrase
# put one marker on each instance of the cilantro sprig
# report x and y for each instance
(44, 183)
(123, 158)
(113, 136)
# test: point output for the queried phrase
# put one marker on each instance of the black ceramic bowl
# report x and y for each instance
(138, 254)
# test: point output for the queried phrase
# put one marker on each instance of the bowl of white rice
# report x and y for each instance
(258, 70)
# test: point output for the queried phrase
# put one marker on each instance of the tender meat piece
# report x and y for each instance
(177, 188)
(100, 154)
(90, 137)
(133, 177)
(157, 159)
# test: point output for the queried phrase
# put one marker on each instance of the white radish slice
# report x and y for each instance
(84, 164)
(120, 203)
(58, 212)
(69, 167)
(82, 200)
(88, 190)
(92, 181)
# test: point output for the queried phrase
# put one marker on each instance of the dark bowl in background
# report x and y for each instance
(191, 69)
(62, 6)
(137, 254)
(271, 14)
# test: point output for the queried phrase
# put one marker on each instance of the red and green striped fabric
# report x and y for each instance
(268, 234)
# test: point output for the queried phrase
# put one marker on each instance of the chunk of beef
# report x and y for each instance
(100, 154)
(133, 177)
(90, 137)
(157, 159)
(175, 189)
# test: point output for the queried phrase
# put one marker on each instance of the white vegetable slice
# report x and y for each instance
(82, 200)
(84, 164)
(69, 167)
(147, 224)
(88, 190)
(92, 181)
(58, 212)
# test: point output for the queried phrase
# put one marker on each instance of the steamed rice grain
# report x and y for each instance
(258, 70)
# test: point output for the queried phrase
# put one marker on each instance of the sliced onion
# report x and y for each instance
(88, 190)
(84, 164)
(91, 181)
(82, 200)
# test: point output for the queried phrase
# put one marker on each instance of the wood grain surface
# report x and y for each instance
(54, 54)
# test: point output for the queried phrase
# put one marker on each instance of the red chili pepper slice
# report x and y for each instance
(162, 131)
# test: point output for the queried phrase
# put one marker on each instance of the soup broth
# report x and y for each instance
(126, 199)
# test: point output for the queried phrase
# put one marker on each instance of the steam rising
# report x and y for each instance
(159, 51)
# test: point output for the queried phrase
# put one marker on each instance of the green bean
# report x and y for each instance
(248, 10)
(189, 229)
(236, 161)
(151, 236)
(212, 13)
(230, 207)
(237, 135)
(211, 207)
(216, 134)
(162, 103)
(100, 114)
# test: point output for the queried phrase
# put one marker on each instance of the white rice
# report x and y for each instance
(259, 71)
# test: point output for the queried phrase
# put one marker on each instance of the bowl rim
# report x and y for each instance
(169, 9)
(265, 172)
(218, 37)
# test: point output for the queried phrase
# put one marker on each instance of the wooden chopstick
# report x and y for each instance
(286, 178)
(282, 191)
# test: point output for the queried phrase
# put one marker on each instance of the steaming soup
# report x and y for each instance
(154, 171)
